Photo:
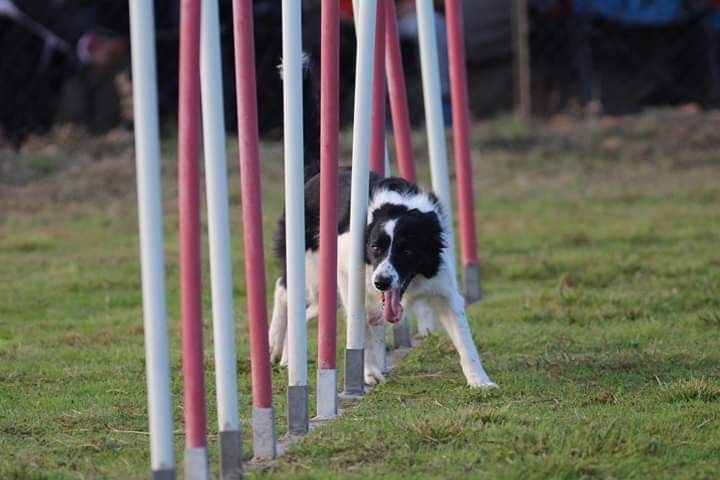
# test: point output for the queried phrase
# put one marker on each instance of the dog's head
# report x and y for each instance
(401, 243)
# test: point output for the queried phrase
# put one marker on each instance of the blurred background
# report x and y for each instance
(67, 61)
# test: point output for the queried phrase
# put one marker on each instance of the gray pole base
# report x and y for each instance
(326, 393)
(168, 474)
(401, 333)
(473, 287)
(264, 445)
(354, 372)
(298, 416)
(196, 464)
(231, 455)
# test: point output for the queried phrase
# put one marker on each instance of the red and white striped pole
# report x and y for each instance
(264, 445)
(461, 141)
(196, 456)
(398, 96)
(329, 133)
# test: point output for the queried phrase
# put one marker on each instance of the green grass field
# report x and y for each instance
(601, 267)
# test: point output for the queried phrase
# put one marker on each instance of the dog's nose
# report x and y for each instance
(382, 283)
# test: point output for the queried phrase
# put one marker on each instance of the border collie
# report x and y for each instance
(406, 256)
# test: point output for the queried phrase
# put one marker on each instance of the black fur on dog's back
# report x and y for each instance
(312, 211)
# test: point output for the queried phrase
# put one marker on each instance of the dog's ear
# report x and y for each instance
(433, 242)
(435, 229)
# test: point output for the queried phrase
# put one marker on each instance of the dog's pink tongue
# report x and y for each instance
(392, 310)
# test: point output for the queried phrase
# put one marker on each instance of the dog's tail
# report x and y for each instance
(311, 117)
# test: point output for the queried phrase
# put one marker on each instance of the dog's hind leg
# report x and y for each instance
(452, 316)
(278, 322)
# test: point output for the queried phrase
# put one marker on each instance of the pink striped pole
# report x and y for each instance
(398, 96)
(329, 132)
(461, 140)
(377, 138)
(196, 459)
(263, 414)
(377, 143)
(401, 127)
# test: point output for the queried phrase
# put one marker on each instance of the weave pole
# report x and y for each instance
(461, 142)
(196, 454)
(219, 239)
(377, 135)
(356, 323)
(263, 416)
(377, 150)
(432, 99)
(397, 94)
(147, 158)
(327, 400)
(294, 215)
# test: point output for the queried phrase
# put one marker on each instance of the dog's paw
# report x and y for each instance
(482, 384)
(275, 353)
(277, 344)
(373, 375)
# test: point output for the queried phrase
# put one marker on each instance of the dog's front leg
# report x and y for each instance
(278, 322)
(374, 353)
(452, 316)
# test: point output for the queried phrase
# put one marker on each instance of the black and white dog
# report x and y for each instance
(408, 264)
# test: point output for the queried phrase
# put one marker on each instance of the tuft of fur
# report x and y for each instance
(311, 115)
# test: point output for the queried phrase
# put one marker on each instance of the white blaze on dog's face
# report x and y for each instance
(385, 277)
(401, 243)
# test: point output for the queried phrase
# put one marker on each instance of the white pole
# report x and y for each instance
(294, 213)
(432, 97)
(219, 236)
(354, 375)
(147, 148)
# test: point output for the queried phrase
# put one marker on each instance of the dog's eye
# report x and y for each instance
(375, 249)
(407, 252)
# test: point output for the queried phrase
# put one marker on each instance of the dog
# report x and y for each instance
(408, 265)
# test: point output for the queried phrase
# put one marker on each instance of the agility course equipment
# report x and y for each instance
(219, 240)
(201, 93)
(397, 94)
(377, 135)
(432, 99)
(196, 455)
(400, 115)
(354, 351)
(294, 215)
(263, 416)
(327, 399)
(147, 158)
(461, 142)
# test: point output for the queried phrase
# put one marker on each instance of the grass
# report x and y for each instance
(600, 322)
